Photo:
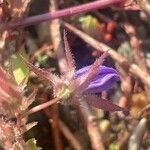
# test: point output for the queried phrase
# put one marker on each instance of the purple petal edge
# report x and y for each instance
(105, 80)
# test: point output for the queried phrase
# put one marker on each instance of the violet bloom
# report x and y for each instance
(73, 86)
(105, 79)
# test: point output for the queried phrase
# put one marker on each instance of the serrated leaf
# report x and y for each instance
(20, 69)
(31, 145)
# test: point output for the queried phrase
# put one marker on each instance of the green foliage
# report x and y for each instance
(113, 146)
(125, 50)
(104, 125)
(31, 144)
(19, 68)
(88, 22)
(91, 26)
(41, 60)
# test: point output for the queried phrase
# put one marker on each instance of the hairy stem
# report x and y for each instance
(99, 4)
(39, 107)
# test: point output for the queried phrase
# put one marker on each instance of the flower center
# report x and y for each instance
(64, 93)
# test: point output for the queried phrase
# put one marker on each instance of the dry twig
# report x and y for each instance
(58, 48)
(145, 109)
(137, 135)
(69, 136)
(92, 127)
(135, 44)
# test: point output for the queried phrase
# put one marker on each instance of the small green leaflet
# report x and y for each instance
(125, 50)
(20, 69)
(31, 145)
(88, 22)
(91, 26)
(113, 146)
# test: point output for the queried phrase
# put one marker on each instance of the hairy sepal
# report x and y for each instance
(69, 57)
(43, 74)
(101, 103)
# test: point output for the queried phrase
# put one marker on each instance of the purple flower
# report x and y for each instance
(75, 86)
(105, 79)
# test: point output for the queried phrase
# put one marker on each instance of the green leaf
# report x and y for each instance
(125, 50)
(88, 22)
(20, 69)
(31, 145)
(90, 25)
(113, 146)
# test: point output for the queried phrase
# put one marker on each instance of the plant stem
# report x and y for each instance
(99, 4)
(70, 137)
(39, 107)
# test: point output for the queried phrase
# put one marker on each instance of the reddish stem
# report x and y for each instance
(39, 107)
(99, 4)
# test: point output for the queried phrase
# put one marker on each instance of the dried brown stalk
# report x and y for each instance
(135, 44)
(142, 111)
(2, 45)
(56, 38)
(145, 5)
(126, 86)
(58, 48)
(123, 141)
(102, 17)
(92, 127)
(69, 136)
(53, 115)
(132, 68)
(24, 9)
(137, 135)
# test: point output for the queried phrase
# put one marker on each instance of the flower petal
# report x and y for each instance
(85, 80)
(105, 80)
